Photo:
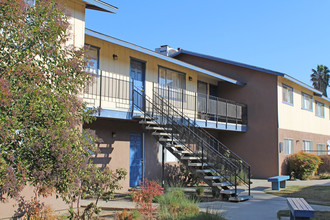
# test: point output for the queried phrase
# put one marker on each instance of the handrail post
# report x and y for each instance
(235, 183)
(168, 103)
(216, 117)
(132, 97)
(153, 99)
(100, 102)
(249, 180)
(206, 109)
(195, 113)
(236, 115)
(226, 114)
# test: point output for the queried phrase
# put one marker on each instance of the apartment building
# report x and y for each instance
(153, 109)
(285, 115)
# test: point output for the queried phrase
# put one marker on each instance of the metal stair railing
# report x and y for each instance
(219, 157)
(243, 167)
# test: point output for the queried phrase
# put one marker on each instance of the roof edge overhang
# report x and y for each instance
(100, 6)
(315, 91)
(160, 56)
(227, 61)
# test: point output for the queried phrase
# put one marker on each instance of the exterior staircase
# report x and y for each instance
(203, 154)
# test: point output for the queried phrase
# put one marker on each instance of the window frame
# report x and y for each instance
(286, 149)
(173, 89)
(324, 149)
(98, 58)
(303, 95)
(284, 86)
(316, 107)
(311, 146)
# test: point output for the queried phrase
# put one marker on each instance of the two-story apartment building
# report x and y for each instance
(285, 115)
(132, 81)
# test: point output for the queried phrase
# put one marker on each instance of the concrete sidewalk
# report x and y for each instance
(261, 207)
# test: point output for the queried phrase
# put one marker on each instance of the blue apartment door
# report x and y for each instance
(138, 79)
(135, 159)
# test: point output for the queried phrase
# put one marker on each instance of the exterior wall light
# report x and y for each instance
(114, 134)
(115, 56)
(190, 78)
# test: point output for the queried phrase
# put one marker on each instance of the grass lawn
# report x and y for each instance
(317, 216)
(319, 195)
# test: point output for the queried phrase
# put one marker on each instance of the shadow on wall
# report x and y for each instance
(102, 158)
(285, 168)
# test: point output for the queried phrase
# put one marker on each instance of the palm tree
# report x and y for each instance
(321, 79)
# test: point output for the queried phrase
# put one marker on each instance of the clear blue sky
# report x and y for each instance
(289, 36)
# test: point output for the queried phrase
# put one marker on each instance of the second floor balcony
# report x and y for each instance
(112, 94)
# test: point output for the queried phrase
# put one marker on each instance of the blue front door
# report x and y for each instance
(135, 159)
(138, 80)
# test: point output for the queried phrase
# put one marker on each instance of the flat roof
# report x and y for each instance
(316, 92)
(160, 56)
(100, 6)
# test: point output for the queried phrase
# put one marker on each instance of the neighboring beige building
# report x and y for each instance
(285, 115)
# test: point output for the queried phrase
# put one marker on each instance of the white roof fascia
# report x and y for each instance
(160, 56)
(306, 86)
(105, 6)
(227, 61)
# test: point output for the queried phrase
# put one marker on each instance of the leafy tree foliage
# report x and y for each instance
(41, 140)
(321, 79)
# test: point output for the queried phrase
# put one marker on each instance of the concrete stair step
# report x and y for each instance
(158, 128)
(213, 177)
(208, 171)
(200, 164)
(191, 158)
(222, 184)
(164, 134)
(148, 122)
(141, 117)
(231, 191)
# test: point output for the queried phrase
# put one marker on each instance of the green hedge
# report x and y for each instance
(303, 165)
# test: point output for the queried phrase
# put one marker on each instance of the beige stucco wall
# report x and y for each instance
(75, 10)
(293, 117)
(114, 151)
(121, 69)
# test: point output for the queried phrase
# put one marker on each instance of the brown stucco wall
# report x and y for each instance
(258, 146)
(298, 138)
(114, 152)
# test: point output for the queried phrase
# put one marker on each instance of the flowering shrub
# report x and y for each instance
(144, 196)
(302, 165)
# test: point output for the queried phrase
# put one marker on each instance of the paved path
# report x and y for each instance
(261, 207)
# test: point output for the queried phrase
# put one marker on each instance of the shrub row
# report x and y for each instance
(303, 165)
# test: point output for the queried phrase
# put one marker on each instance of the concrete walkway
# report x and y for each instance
(262, 206)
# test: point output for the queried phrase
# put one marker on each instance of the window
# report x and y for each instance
(319, 110)
(307, 146)
(307, 102)
(92, 55)
(171, 78)
(288, 146)
(321, 149)
(287, 94)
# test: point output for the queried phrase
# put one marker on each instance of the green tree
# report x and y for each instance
(41, 139)
(321, 79)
